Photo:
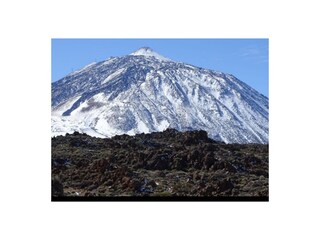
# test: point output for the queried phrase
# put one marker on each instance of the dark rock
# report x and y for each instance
(159, 162)
(92, 187)
(209, 190)
(224, 165)
(135, 184)
(180, 162)
(225, 185)
(194, 137)
(152, 183)
(193, 155)
(209, 160)
(56, 187)
(253, 160)
(170, 132)
(170, 163)
(161, 174)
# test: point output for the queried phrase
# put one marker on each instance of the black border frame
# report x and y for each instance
(160, 199)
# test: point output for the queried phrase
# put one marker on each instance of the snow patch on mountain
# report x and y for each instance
(113, 75)
(148, 52)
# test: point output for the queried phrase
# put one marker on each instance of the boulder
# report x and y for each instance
(225, 185)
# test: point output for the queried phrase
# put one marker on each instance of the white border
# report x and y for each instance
(27, 28)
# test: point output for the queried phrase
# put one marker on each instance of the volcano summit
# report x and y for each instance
(145, 92)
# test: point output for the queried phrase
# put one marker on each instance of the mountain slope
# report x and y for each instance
(146, 92)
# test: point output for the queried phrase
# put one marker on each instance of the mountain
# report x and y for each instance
(145, 92)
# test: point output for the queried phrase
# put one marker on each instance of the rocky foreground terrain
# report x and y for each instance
(161, 164)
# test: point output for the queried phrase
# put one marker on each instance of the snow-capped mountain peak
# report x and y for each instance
(145, 92)
(148, 52)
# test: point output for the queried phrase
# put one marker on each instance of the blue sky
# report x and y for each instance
(247, 59)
